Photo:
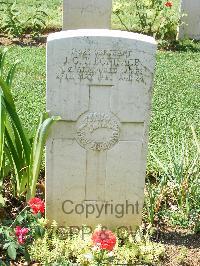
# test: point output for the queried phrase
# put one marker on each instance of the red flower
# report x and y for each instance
(21, 234)
(168, 4)
(37, 205)
(104, 239)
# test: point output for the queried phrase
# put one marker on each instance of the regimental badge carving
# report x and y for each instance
(98, 131)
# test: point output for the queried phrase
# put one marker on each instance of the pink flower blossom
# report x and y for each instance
(21, 233)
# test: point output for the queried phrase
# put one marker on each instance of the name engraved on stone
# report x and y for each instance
(98, 131)
(102, 65)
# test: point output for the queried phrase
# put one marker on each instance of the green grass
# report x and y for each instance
(29, 82)
(175, 99)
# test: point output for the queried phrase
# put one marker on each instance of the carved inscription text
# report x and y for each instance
(102, 65)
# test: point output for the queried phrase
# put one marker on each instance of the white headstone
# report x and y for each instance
(100, 83)
(191, 22)
(87, 14)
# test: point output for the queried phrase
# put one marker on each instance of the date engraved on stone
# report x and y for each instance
(102, 65)
(98, 131)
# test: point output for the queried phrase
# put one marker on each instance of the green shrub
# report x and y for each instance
(149, 17)
(54, 249)
(15, 26)
(11, 23)
(17, 235)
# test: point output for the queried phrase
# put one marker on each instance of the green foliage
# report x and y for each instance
(58, 247)
(172, 188)
(11, 23)
(149, 17)
(4, 166)
(52, 8)
(23, 152)
(182, 255)
(139, 249)
(175, 194)
(10, 247)
(15, 26)
(126, 16)
(37, 22)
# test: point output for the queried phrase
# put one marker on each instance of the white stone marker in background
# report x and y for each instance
(100, 83)
(87, 14)
(191, 25)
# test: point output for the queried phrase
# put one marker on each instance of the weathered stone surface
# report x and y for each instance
(191, 26)
(87, 14)
(100, 83)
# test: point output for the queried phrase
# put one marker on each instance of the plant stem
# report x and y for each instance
(121, 21)
(18, 216)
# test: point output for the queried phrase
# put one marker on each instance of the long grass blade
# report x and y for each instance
(12, 155)
(10, 106)
(197, 143)
(37, 151)
(2, 135)
(2, 60)
(11, 73)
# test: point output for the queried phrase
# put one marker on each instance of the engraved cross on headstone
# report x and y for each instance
(98, 131)
(87, 14)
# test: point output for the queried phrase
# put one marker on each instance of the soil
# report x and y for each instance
(27, 39)
(182, 247)
(5, 41)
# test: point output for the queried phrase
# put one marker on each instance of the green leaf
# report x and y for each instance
(2, 201)
(12, 252)
(11, 109)
(12, 155)
(27, 256)
(11, 73)
(2, 133)
(5, 246)
(20, 218)
(2, 60)
(19, 146)
(37, 150)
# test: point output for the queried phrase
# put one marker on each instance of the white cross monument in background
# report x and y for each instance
(191, 20)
